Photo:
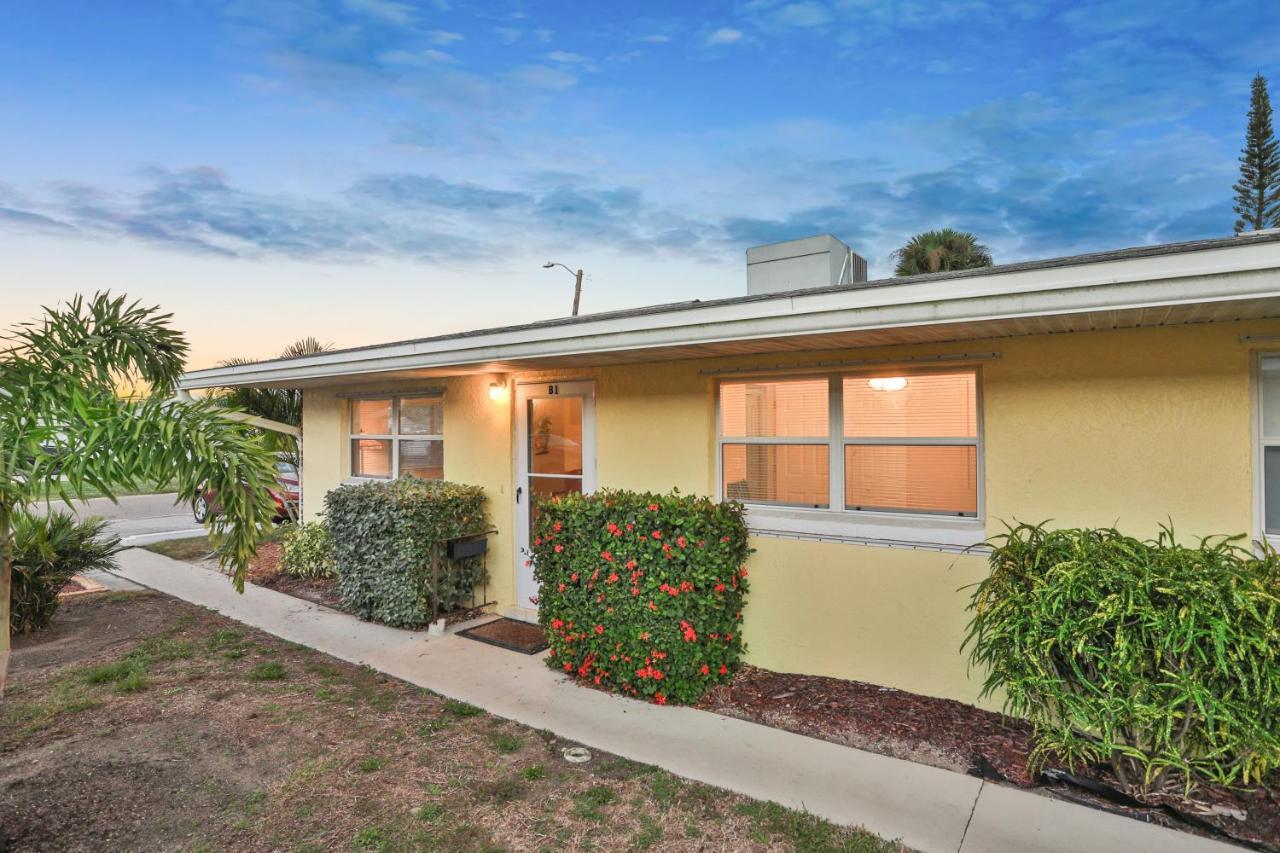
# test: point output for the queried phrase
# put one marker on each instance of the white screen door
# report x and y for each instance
(555, 455)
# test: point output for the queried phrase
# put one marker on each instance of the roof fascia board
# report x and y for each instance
(1161, 281)
(1150, 294)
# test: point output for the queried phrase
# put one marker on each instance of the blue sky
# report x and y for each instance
(366, 170)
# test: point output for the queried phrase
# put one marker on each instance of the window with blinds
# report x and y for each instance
(398, 437)
(890, 443)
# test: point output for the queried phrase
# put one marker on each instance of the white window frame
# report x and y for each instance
(395, 436)
(1261, 441)
(834, 522)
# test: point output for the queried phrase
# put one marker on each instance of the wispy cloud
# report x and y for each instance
(724, 35)
(568, 57)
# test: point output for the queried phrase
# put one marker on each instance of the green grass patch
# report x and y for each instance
(191, 549)
(371, 838)
(589, 804)
(269, 671)
(506, 743)
(805, 831)
(371, 764)
(461, 709)
(534, 773)
(664, 787)
(429, 812)
(68, 695)
(650, 833)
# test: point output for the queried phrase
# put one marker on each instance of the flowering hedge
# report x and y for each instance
(642, 593)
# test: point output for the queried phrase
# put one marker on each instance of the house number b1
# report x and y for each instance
(553, 389)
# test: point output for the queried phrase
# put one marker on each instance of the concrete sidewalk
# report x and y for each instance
(926, 807)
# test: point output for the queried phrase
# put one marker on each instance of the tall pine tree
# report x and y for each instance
(1257, 200)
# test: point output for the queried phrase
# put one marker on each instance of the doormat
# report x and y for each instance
(512, 634)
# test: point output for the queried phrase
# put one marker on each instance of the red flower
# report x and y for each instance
(724, 670)
(719, 587)
(557, 527)
(652, 606)
(613, 577)
(706, 670)
(653, 507)
(682, 542)
(568, 666)
(559, 548)
(743, 572)
(631, 564)
(659, 698)
(606, 556)
(574, 577)
(557, 624)
(538, 541)
(562, 587)
(644, 635)
(657, 534)
(599, 629)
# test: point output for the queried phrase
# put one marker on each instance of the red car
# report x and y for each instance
(287, 494)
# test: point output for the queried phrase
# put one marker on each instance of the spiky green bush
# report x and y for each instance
(1160, 659)
(47, 551)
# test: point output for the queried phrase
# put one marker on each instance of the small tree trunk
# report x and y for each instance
(6, 591)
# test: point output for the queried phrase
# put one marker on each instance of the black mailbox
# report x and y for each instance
(459, 549)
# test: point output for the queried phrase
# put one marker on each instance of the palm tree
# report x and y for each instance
(65, 429)
(941, 250)
(277, 404)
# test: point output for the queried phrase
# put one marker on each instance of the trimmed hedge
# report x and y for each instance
(642, 593)
(382, 536)
(1161, 659)
(307, 551)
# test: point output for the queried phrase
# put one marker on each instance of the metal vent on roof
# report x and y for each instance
(820, 261)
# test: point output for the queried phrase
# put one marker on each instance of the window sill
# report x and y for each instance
(888, 530)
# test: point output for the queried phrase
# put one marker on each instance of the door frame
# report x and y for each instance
(526, 391)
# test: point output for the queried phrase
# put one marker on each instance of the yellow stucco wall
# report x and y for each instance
(1129, 427)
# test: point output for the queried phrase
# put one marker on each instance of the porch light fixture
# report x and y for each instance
(887, 383)
(497, 390)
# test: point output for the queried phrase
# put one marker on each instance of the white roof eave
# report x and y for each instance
(1232, 273)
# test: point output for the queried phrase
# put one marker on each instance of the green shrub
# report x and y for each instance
(47, 551)
(383, 535)
(642, 593)
(1161, 659)
(307, 551)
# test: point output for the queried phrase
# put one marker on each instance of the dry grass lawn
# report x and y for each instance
(141, 722)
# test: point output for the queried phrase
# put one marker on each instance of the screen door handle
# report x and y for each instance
(519, 489)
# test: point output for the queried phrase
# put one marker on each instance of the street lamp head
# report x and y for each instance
(548, 265)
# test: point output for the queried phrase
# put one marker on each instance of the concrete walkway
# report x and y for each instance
(926, 807)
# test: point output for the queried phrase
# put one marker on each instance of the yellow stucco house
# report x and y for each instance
(875, 429)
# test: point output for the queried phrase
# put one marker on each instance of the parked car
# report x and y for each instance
(286, 494)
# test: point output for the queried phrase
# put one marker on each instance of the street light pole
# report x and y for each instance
(577, 282)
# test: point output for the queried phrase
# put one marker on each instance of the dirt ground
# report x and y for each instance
(140, 722)
(966, 739)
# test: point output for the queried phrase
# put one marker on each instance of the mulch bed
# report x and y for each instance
(509, 634)
(960, 737)
(265, 571)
